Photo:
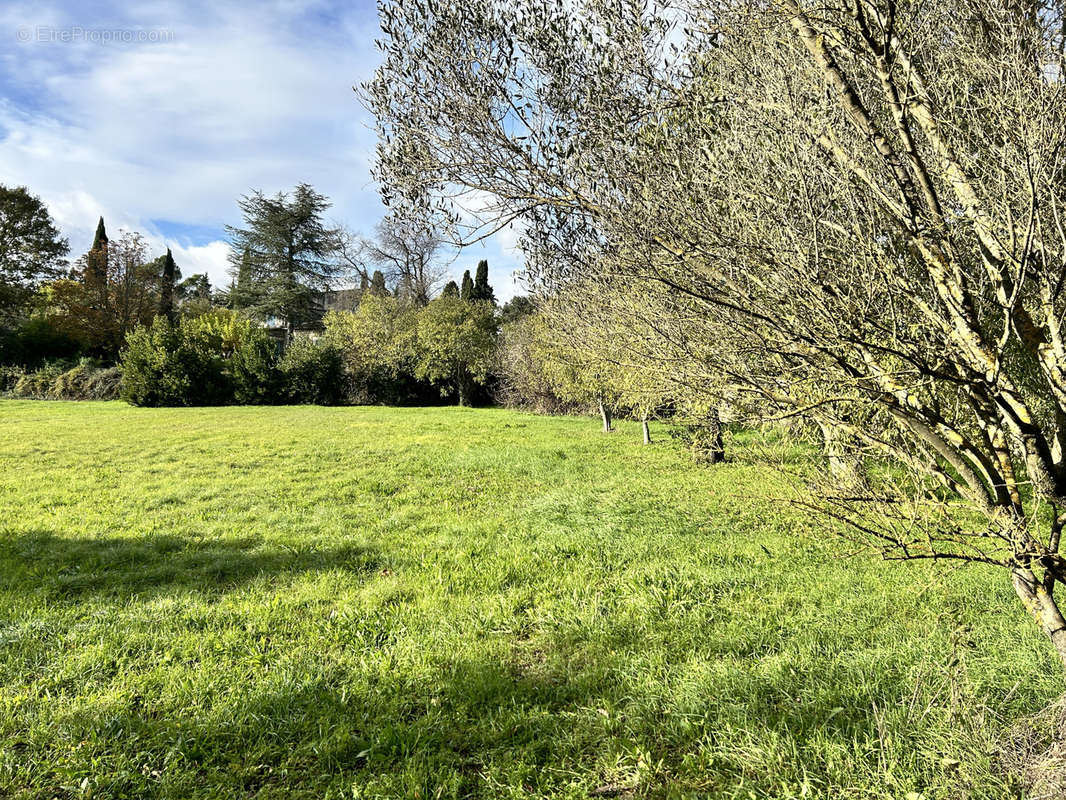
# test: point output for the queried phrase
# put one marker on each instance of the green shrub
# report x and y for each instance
(254, 369)
(376, 342)
(222, 357)
(312, 372)
(69, 384)
(87, 381)
(250, 356)
(173, 365)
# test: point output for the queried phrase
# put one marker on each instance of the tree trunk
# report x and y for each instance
(605, 415)
(844, 468)
(645, 430)
(1040, 603)
(715, 446)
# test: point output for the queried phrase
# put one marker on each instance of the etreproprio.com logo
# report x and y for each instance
(77, 34)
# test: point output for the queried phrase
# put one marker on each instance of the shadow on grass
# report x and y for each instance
(564, 713)
(539, 723)
(320, 736)
(68, 568)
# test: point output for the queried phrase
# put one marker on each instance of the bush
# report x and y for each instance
(173, 365)
(376, 343)
(455, 346)
(521, 380)
(84, 381)
(38, 385)
(222, 357)
(312, 372)
(102, 384)
(254, 369)
(249, 354)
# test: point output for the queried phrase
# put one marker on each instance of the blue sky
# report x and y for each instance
(158, 115)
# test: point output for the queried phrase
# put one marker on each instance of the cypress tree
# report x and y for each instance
(166, 288)
(377, 284)
(451, 289)
(100, 238)
(467, 292)
(96, 259)
(482, 290)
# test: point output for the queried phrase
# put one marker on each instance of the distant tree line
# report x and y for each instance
(273, 336)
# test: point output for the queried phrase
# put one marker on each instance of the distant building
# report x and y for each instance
(332, 300)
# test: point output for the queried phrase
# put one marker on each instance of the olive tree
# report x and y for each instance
(858, 203)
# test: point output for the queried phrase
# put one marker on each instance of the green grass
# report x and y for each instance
(364, 602)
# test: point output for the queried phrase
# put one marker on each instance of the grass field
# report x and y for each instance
(421, 603)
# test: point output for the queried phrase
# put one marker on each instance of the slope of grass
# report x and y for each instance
(362, 602)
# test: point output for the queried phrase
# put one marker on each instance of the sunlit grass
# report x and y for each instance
(364, 602)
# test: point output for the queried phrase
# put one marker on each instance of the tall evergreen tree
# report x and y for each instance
(294, 254)
(166, 287)
(95, 275)
(467, 292)
(482, 289)
(377, 284)
(451, 289)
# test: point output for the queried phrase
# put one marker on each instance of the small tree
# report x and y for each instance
(522, 376)
(576, 372)
(456, 342)
(467, 292)
(376, 343)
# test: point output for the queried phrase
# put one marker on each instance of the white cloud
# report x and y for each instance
(211, 259)
(164, 137)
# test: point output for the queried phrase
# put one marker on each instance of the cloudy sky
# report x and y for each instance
(158, 115)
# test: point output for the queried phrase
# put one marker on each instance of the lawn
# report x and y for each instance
(421, 603)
